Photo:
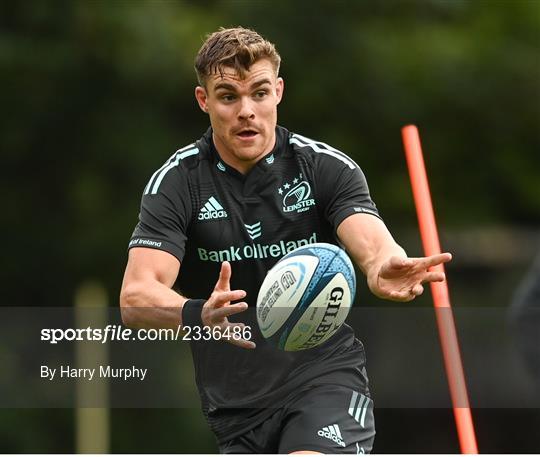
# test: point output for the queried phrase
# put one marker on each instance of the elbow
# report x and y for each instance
(129, 297)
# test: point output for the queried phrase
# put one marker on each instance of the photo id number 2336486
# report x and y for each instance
(207, 333)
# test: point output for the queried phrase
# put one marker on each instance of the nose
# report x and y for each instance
(246, 109)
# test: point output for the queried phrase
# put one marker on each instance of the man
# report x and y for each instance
(222, 205)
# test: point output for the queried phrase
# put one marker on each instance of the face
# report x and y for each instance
(243, 112)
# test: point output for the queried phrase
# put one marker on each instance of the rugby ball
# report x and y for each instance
(306, 296)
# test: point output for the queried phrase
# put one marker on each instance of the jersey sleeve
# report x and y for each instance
(342, 188)
(164, 215)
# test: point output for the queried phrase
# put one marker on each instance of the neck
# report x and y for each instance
(242, 163)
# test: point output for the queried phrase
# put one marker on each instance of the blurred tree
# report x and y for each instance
(96, 95)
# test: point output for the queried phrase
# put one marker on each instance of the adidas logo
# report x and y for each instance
(332, 432)
(212, 210)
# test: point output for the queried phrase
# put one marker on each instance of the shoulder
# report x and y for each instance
(178, 166)
(321, 153)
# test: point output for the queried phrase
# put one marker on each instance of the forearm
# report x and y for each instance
(151, 304)
(371, 259)
(390, 273)
(369, 243)
(148, 301)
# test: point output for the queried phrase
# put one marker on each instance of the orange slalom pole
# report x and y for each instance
(441, 297)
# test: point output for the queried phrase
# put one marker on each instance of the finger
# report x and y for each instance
(219, 299)
(401, 296)
(224, 280)
(417, 290)
(237, 325)
(437, 259)
(228, 310)
(235, 334)
(242, 343)
(434, 276)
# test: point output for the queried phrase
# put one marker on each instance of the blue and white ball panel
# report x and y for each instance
(322, 319)
(283, 287)
(306, 297)
(342, 264)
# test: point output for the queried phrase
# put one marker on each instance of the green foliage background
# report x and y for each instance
(96, 95)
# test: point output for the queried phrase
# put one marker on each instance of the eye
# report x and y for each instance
(261, 94)
(227, 97)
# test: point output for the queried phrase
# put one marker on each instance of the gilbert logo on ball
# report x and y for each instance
(306, 296)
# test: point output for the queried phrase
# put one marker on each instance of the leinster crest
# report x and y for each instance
(296, 195)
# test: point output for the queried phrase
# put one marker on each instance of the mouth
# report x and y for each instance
(247, 134)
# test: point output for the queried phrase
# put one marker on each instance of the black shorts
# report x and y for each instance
(328, 418)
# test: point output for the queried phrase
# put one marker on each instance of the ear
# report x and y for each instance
(280, 87)
(202, 98)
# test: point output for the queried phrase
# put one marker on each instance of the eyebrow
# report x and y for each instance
(227, 86)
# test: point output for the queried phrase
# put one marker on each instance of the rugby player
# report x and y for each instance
(227, 207)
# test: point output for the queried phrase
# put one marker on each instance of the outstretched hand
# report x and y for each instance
(218, 307)
(402, 278)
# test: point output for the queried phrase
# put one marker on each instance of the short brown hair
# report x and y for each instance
(238, 48)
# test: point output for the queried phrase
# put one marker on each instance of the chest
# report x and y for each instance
(260, 217)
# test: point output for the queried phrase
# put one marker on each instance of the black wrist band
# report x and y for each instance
(191, 313)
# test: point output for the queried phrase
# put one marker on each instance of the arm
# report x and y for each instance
(148, 301)
(390, 273)
(146, 298)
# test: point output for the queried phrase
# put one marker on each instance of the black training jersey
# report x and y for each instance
(204, 212)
